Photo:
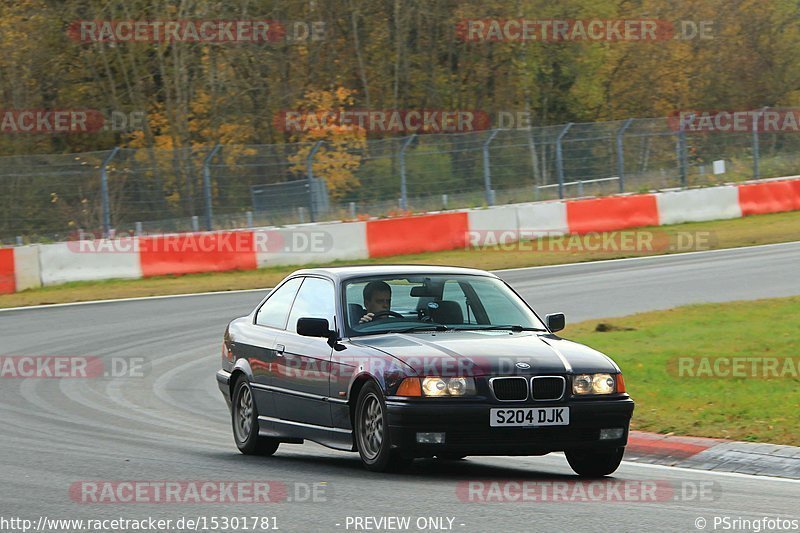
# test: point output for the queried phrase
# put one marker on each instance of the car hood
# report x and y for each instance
(477, 353)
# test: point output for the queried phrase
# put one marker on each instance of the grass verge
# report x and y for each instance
(740, 408)
(748, 231)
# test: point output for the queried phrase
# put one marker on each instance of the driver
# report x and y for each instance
(377, 298)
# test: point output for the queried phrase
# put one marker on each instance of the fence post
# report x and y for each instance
(756, 146)
(310, 177)
(683, 162)
(403, 182)
(104, 192)
(207, 185)
(560, 160)
(621, 154)
(487, 171)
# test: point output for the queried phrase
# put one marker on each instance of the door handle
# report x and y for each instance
(279, 349)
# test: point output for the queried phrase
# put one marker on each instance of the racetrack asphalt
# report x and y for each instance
(172, 423)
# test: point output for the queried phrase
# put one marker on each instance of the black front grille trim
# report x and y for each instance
(511, 389)
(548, 388)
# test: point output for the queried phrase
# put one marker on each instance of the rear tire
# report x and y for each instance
(372, 433)
(595, 463)
(244, 417)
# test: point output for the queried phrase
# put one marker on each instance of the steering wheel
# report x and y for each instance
(384, 314)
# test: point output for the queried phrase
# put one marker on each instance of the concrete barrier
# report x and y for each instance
(501, 218)
(411, 235)
(26, 267)
(88, 260)
(612, 213)
(770, 197)
(541, 219)
(8, 283)
(33, 266)
(192, 253)
(311, 243)
(695, 205)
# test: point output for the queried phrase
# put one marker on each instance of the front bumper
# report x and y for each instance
(467, 430)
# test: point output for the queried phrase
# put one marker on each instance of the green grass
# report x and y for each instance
(748, 231)
(749, 409)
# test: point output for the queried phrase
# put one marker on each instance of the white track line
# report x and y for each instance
(662, 256)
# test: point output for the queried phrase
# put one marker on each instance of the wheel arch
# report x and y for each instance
(240, 368)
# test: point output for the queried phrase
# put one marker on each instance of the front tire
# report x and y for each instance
(372, 432)
(244, 417)
(595, 463)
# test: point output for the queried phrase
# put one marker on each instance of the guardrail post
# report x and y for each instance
(683, 157)
(560, 160)
(621, 154)
(756, 147)
(312, 201)
(207, 185)
(487, 171)
(106, 204)
(403, 181)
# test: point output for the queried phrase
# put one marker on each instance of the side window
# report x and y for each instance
(275, 310)
(316, 299)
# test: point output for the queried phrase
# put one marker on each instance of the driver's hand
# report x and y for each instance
(366, 318)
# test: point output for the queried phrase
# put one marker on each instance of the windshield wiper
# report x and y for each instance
(431, 327)
(514, 328)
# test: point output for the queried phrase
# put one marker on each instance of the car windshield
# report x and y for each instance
(383, 304)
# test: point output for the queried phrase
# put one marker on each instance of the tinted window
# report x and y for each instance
(458, 301)
(276, 309)
(315, 300)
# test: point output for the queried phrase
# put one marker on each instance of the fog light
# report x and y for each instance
(430, 438)
(608, 433)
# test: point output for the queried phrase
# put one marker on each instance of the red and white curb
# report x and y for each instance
(717, 455)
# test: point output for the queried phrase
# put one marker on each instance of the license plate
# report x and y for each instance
(529, 416)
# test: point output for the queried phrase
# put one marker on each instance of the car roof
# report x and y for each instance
(358, 271)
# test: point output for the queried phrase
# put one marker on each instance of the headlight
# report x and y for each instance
(582, 384)
(435, 386)
(594, 384)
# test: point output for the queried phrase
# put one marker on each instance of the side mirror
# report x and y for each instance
(555, 322)
(313, 327)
